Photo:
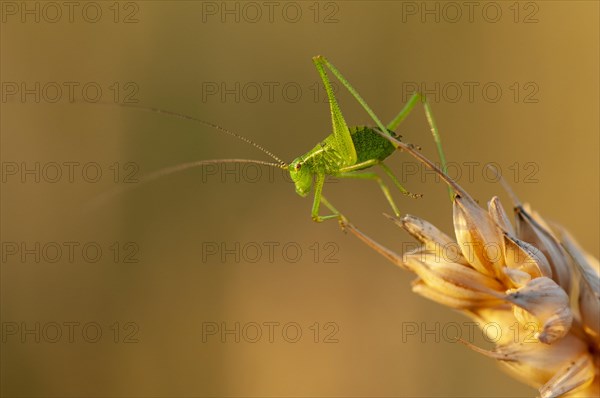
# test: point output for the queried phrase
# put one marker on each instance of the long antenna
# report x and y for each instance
(199, 163)
(193, 119)
(172, 170)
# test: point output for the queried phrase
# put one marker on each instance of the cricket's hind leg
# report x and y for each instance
(418, 97)
(376, 178)
(397, 183)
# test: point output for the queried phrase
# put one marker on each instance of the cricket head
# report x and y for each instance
(301, 175)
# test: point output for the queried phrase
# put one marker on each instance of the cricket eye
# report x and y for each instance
(298, 166)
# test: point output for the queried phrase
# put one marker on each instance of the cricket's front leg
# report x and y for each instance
(319, 182)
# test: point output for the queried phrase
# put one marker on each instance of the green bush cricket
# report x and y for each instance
(344, 153)
(349, 150)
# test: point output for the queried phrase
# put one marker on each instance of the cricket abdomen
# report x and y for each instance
(370, 145)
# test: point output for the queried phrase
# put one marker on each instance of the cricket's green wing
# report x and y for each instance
(341, 134)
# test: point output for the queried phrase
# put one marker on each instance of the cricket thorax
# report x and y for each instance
(322, 159)
(325, 159)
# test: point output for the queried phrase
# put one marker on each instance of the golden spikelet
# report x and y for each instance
(531, 275)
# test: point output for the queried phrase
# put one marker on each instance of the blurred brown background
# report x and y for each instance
(157, 315)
